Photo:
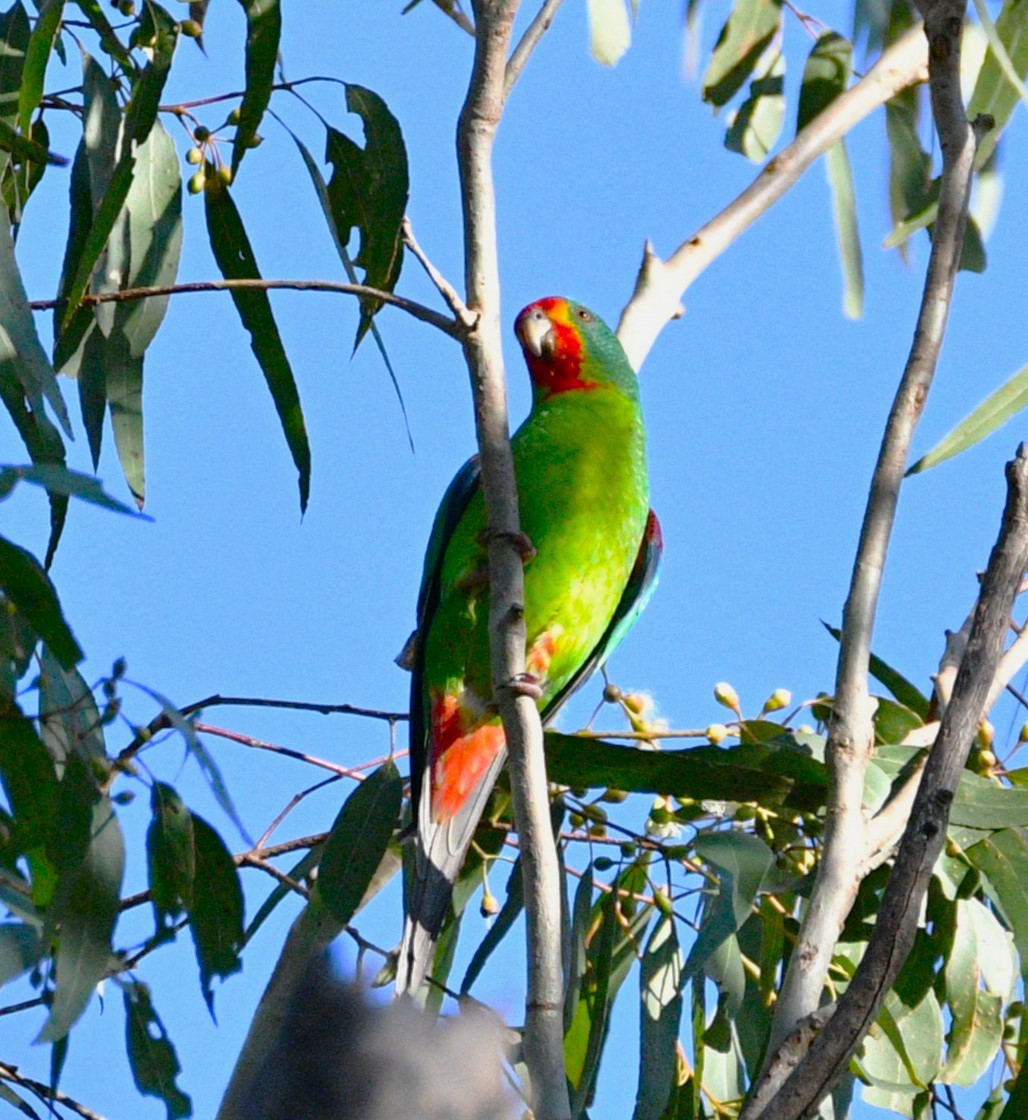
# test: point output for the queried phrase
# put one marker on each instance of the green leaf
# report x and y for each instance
(910, 166)
(22, 148)
(321, 188)
(170, 855)
(85, 913)
(28, 587)
(69, 721)
(743, 39)
(15, 33)
(263, 31)
(368, 191)
(20, 349)
(500, 926)
(40, 47)
(755, 126)
(902, 1052)
(236, 261)
(33, 793)
(155, 1065)
(976, 1024)
(216, 914)
(906, 693)
(1002, 859)
(980, 803)
(769, 773)
(825, 75)
(894, 721)
(358, 842)
(140, 117)
(995, 411)
(844, 213)
(994, 93)
(56, 479)
(610, 30)
(21, 948)
(660, 993)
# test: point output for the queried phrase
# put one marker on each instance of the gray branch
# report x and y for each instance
(896, 925)
(851, 733)
(476, 130)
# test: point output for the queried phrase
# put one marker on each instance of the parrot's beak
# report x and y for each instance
(536, 332)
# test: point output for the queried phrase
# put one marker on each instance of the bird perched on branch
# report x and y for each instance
(583, 493)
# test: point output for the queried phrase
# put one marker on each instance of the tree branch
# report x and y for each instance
(528, 42)
(660, 284)
(47, 1094)
(452, 327)
(896, 924)
(850, 729)
(476, 130)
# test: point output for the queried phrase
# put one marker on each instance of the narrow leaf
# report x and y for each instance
(368, 191)
(57, 479)
(216, 914)
(501, 925)
(660, 992)
(263, 31)
(906, 693)
(170, 855)
(756, 125)
(15, 33)
(825, 75)
(28, 587)
(236, 261)
(358, 841)
(743, 39)
(40, 47)
(21, 948)
(844, 213)
(1000, 407)
(155, 1065)
(997, 90)
(86, 910)
(69, 721)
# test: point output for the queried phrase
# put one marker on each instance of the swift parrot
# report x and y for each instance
(583, 493)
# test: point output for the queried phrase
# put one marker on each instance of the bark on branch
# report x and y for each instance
(896, 925)
(476, 130)
(661, 284)
(851, 732)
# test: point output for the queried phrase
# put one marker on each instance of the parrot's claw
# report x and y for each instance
(521, 541)
(526, 684)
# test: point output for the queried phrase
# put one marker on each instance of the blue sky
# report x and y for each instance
(764, 408)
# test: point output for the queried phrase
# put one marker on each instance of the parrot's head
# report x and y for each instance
(568, 347)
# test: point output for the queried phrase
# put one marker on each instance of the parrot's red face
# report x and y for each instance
(550, 332)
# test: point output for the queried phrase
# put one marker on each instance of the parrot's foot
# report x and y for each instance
(526, 684)
(521, 541)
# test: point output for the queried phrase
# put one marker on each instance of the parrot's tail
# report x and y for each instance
(440, 847)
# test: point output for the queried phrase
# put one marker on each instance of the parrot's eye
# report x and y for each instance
(584, 315)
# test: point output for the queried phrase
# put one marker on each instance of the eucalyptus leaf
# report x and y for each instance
(745, 36)
(216, 910)
(155, 1065)
(86, 909)
(359, 841)
(236, 261)
(263, 32)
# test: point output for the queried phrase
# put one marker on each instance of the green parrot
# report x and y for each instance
(583, 492)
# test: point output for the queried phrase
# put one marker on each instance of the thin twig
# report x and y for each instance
(527, 43)
(163, 721)
(660, 284)
(250, 859)
(442, 285)
(45, 1093)
(425, 314)
(275, 748)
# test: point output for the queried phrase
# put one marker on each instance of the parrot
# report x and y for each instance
(592, 547)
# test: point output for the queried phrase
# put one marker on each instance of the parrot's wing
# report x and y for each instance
(455, 501)
(642, 582)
